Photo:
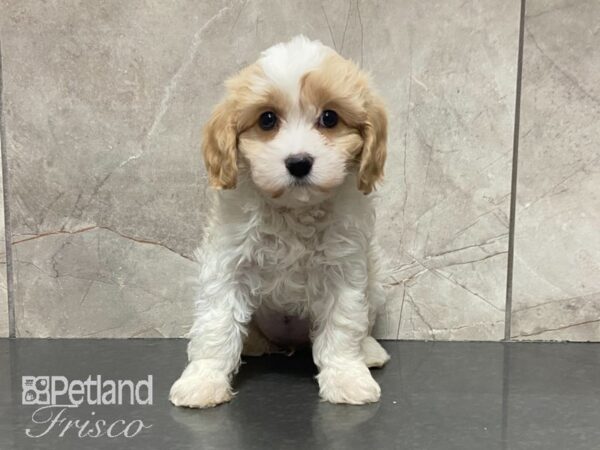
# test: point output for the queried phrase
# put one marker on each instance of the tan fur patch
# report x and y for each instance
(339, 85)
(238, 112)
(219, 147)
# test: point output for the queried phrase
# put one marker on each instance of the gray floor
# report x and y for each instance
(435, 396)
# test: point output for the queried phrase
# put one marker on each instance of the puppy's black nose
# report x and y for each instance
(299, 165)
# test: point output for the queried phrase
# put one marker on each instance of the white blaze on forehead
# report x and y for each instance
(284, 64)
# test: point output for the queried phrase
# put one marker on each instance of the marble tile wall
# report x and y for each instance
(104, 103)
(445, 204)
(556, 290)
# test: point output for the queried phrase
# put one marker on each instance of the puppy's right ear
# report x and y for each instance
(219, 147)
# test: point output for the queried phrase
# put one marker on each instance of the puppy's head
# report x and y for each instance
(299, 120)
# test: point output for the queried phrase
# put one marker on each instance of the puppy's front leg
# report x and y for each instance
(342, 325)
(215, 347)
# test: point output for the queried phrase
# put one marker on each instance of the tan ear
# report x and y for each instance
(219, 147)
(374, 151)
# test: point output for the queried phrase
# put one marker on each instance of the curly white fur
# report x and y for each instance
(321, 262)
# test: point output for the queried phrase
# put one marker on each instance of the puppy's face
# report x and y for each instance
(299, 120)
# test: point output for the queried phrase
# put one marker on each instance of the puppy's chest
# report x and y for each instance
(290, 257)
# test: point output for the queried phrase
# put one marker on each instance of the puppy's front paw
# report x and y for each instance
(353, 385)
(201, 389)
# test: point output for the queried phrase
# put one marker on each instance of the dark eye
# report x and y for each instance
(328, 119)
(267, 120)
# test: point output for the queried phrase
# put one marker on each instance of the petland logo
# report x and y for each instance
(55, 395)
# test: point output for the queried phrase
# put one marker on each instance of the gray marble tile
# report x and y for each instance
(445, 204)
(100, 283)
(556, 294)
(103, 109)
(104, 105)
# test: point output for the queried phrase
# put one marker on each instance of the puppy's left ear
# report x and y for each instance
(374, 151)
(219, 147)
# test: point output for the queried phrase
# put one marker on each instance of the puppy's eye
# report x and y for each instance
(328, 119)
(267, 120)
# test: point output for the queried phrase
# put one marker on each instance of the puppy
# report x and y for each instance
(289, 254)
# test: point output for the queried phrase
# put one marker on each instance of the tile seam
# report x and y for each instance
(7, 231)
(513, 188)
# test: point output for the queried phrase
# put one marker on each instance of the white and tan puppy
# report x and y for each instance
(289, 253)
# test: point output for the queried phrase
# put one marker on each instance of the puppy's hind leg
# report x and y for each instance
(373, 353)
